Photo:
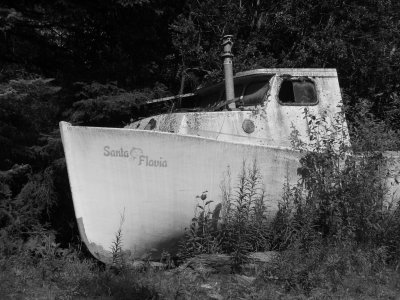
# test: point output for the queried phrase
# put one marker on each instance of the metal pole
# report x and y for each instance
(228, 69)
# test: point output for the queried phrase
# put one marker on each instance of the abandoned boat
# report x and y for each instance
(143, 179)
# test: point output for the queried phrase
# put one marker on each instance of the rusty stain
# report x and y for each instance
(167, 123)
(151, 125)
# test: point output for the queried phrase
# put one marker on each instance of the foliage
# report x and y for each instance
(236, 227)
(371, 134)
(245, 218)
(33, 182)
(136, 43)
(95, 63)
(116, 247)
(341, 202)
(27, 108)
(202, 236)
(340, 196)
(108, 105)
(359, 39)
(325, 267)
(43, 269)
(124, 41)
(338, 223)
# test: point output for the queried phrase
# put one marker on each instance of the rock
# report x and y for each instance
(215, 296)
(259, 259)
(221, 263)
(245, 280)
(140, 264)
(212, 294)
(209, 263)
(264, 257)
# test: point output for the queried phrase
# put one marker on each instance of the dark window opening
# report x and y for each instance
(297, 92)
(254, 94)
(238, 91)
(254, 87)
(248, 92)
(205, 100)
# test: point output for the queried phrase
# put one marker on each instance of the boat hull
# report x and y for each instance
(145, 183)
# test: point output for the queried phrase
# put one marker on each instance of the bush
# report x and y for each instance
(337, 221)
(341, 196)
(236, 226)
(340, 199)
(324, 266)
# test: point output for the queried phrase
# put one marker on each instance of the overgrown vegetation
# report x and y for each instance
(336, 224)
(342, 196)
(337, 221)
(236, 226)
(97, 62)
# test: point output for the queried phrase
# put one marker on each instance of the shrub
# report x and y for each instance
(340, 196)
(339, 205)
(203, 235)
(324, 266)
(236, 226)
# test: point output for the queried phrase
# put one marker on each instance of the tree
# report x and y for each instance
(359, 38)
(124, 41)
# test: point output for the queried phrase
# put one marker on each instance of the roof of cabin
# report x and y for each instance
(290, 71)
(246, 75)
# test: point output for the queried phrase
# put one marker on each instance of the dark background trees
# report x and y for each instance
(359, 38)
(96, 62)
(124, 41)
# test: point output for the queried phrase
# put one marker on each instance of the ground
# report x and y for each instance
(70, 277)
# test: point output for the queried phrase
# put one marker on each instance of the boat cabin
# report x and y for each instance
(268, 105)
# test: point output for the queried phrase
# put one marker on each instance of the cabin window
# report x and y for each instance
(254, 87)
(210, 99)
(249, 92)
(238, 92)
(299, 91)
(214, 97)
(254, 94)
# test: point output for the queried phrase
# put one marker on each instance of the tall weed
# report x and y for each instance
(338, 220)
(203, 235)
(340, 196)
(236, 226)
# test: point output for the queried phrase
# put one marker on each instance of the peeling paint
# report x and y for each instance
(167, 123)
(273, 122)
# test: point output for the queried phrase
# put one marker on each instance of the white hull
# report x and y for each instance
(152, 178)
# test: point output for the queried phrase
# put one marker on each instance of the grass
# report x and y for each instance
(344, 274)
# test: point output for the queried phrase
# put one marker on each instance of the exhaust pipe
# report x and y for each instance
(228, 69)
